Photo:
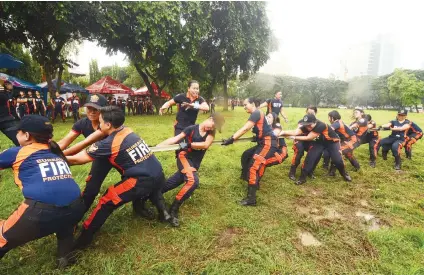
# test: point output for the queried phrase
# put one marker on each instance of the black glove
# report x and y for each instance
(229, 141)
(184, 145)
(254, 139)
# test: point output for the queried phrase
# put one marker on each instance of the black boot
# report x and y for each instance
(64, 248)
(173, 211)
(397, 163)
(408, 154)
(372, 163)
(161, 207)
(139, 207)
(332, 171)
(292, 173)
(84, 240)
(250, 200)
(302, 178)
(384, 154)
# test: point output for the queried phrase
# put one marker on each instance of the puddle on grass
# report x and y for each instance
(370, 222)
(326, 213)
(307, 239)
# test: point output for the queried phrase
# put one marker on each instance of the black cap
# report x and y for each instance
(35, 124)
(218, 120)
(402, 112)
(96, 101)
(308, 119)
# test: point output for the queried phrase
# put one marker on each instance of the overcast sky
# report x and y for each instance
(313, 35)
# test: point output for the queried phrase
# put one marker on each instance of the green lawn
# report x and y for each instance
(217, 236)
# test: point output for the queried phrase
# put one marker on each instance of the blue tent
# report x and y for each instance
(64, 88)
(9, 62)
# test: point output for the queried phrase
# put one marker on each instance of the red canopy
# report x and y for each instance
(143, 91)
(108, 85)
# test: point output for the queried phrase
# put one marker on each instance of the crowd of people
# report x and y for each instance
(41, 166)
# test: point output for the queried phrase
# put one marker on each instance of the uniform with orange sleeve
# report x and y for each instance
(142, 174)
(347, 140)
(327, 139)
(52, 202)
(194, 141)
(260, 156)
(414, 134)
(360, 126)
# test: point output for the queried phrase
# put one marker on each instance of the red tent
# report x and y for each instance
(108, 85)
(143, 91)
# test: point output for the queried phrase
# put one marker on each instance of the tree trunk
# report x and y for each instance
(59, 79)
(145, 77)
(49, 73)
(416, 108)
(225, 93)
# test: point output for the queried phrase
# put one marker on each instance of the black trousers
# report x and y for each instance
(347, 148)
(130, 108)
(100, 168)
(299, 149)
(254, 160)
(373, 145)
(9, 129)
(58, 112)
(127, 190)
(75, 113)
(187, 174)
(22, 111)
(392, 143)
(315, 152)
(40, 110)
(33, 220)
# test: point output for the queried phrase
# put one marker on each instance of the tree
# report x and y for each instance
(237, 43)
(47, 28)
(114, 71)
(159, 38)
(406, 87)
(134, 79)
(94, 72)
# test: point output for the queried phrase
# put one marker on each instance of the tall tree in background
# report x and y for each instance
(159, 38)
(94, 73)
(407, 88)
(238, 42)
(46, 28)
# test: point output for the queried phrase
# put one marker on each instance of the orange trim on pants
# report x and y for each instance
(293, 162)
(10, 222)
(278, 158)
(259, 159)
(188, 171)
(112, 194)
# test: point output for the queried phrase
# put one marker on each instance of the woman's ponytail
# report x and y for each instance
(55, 149)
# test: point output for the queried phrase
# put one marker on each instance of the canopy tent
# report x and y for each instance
(143, 91)
(20, 84)
(9, 62)
(108, 85)
(64, 87)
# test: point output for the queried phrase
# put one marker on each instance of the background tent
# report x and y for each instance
(108, 85)
(20, 84)
(9, 62)
(64, 88)
(143, 91)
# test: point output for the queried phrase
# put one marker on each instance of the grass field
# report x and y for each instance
(374, 225)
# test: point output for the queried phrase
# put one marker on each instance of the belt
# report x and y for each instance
(43, 205)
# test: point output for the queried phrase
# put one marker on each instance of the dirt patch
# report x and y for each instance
(370, 222)
(307, 239)
(227, 236)
(325, 213)
(363, 203)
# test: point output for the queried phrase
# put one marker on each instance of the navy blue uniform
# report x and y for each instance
(264, 154)
(30, 103)
(185, 116)
(274, 106)
(363, 137)
(39, 105)
(46, 183)
(348, 141)
(130, 105)
(75, 103)
(327, 139)
(58, 108)
(188, 163)
(22, 106)
(100, 168)
(413, 135)
(141, 172)
(396, 140)
(7, 119)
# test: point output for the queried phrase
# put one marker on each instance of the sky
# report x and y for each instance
(313, 36)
